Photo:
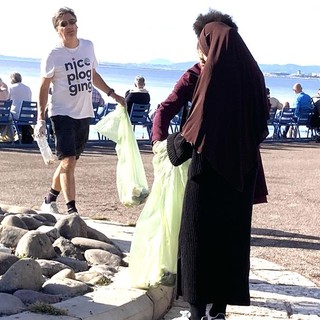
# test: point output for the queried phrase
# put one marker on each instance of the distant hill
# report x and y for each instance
(166, 64)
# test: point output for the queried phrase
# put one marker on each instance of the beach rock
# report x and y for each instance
(6, 261)
(85, 244)
(10, 304)
(74, 264)
(64, 274)
(67, 288)
(10, 236)
(24, 274)
(15, 221)
(98, 256)
(65, 247)
(36, 245)
(60, 259)
(71, 226)
(30, 221)
(30, 297)
(50, 267)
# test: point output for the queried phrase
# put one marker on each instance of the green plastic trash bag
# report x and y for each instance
(131, 178)
(154, 247)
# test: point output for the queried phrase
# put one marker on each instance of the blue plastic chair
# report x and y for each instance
(139, 116)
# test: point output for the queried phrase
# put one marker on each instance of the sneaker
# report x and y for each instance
(185, 315)
(49, 207)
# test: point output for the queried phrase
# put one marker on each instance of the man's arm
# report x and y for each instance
(99, 83)
(43, 98)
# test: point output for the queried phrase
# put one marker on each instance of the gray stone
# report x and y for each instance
(31, 296)
(50, 267)
(85, 244)
(74, 264)
(10, 304)
(36, 245)
(65, 247)
(15, 221)
(10, 236)
(66, 287)
(6, 261)
(71, 226)
(24, 274)
(30, 221)
(97, 256)
(65, 274)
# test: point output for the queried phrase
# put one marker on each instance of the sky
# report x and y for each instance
(141, 31)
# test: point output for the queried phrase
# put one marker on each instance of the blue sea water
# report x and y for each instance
(159, 81)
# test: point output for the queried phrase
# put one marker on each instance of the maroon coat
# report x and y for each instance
(180, 96)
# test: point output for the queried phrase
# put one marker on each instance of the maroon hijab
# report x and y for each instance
(228, 119)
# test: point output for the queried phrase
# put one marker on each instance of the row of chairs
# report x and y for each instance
(285, 117)
(139, 116)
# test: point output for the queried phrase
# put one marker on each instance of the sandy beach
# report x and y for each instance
(286, 230)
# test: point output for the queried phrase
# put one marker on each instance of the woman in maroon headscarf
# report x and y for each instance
(228, 121)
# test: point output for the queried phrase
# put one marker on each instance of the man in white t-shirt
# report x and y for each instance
(70, 67)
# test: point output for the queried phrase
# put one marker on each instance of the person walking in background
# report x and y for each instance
(71, 69)
(184, 88)
(19, 92)
(219, 194)
(138, 94)
(302, 104)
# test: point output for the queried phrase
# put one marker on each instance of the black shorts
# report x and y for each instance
(71, 135)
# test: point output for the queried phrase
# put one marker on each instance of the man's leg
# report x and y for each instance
(67, 182)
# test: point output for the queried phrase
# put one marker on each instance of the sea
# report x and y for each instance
(160, 80)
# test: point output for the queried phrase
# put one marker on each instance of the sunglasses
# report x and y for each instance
(64, 23)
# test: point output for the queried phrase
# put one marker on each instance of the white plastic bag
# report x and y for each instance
(131, 179)
(154, 247)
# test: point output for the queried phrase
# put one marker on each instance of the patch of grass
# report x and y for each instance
(40, 307)
(104, 281)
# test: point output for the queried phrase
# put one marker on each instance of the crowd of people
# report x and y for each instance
(303, 104)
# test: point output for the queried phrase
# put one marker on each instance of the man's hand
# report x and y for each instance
(40, 129)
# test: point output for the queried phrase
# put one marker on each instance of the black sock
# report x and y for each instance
(52, 196)
(197, 311)
(218, 307)
(72, 207)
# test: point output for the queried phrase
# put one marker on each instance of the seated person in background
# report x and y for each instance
(17, 93)
(97, 98)
(4, 94)
(138, 94)
(274, 102)
(302, 104)
(315, 118)
(6, 131)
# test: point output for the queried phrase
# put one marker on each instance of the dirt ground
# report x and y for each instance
(285, 231)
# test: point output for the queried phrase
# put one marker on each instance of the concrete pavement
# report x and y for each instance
(276, 294)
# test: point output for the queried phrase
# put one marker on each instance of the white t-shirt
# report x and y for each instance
(71, 73)
(17, 93)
